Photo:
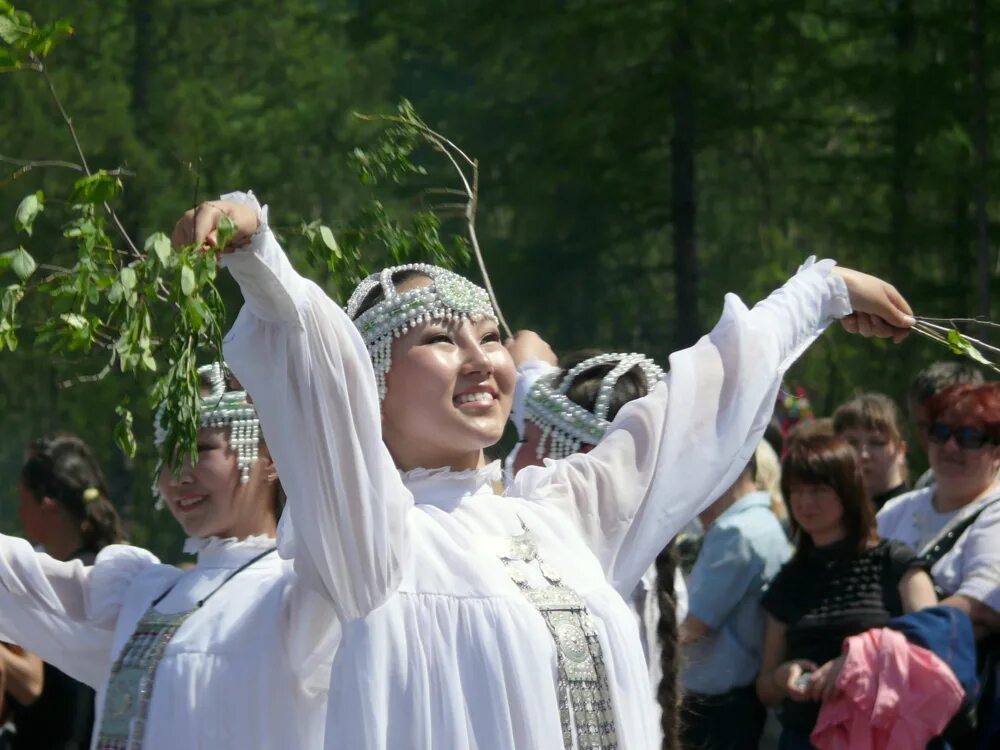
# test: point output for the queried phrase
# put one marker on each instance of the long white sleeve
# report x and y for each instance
(65, 612)
(308, 371)
(670, 454)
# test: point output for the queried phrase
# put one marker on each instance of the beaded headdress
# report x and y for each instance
(566, 425)
(221, 407)
(448, 297)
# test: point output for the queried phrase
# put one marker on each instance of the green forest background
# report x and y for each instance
(639, 160)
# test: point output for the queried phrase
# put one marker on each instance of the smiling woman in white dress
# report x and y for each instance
(232, 653)
(472, 620)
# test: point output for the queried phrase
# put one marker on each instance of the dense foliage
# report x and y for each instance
(638, 160)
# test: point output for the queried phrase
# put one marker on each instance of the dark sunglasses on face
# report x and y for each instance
(971, 438)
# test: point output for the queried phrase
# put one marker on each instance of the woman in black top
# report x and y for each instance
(65, 507)
(841, 581)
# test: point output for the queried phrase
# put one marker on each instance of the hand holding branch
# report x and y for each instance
(200, 226)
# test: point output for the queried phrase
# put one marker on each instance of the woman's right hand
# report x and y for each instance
(879, 309)
(527, 345)
(200, 225)
(789, 678)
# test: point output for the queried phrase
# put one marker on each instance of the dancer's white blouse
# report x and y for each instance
(440, 649)
(249, 670)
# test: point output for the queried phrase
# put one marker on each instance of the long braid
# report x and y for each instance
(668, 693)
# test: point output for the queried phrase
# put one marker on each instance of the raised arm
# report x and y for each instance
(303, 362)
(668, 455)
(65, 612)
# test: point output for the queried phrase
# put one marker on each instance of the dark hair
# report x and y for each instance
(975, 405)
(939, 375)
(829, 460)
(869, 411)
(667, 692)
(584, 389)
(62, 467)
(377, 294)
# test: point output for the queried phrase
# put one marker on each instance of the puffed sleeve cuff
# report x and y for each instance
(271, 288)
(983, 586)
(527, 373)
(838, 300)
(115, 568)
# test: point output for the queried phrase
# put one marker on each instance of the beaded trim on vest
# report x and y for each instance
(586, 713)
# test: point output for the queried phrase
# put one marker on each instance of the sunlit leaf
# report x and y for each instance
(27, 211)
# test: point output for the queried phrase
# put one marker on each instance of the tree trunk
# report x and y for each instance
(684, 206)
(980, 134)
(903, 147)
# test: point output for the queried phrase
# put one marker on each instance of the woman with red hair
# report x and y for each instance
(955, 522)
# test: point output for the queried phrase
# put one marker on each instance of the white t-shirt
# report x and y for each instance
(972, 566)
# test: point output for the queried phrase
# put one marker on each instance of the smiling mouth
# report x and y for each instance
(477, 398)
(190, 502)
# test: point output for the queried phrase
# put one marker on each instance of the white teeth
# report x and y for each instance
(482, 396)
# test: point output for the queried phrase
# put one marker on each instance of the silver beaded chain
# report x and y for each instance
(566, 426)
(220, 408)
(449, 297)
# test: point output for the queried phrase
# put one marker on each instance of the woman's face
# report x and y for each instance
(959, 470)
(817, 510)
(448, 393)
(881, 458)
(207, 497)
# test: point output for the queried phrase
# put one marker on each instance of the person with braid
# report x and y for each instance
(660, 599)
(744, 547)
(473, 620)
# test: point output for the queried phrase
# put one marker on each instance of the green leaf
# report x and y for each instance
(27, 210)
(22, 263)
(224, 231)
(74, 320)
(124, 437)
(96, 188)
(961, 345)
(11, 31)
(187, 280)
(43, 39)
(159, 244)
(8, 61)
(128, 278)
(326, 235)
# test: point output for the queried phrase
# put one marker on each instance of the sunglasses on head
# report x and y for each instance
(965, 437)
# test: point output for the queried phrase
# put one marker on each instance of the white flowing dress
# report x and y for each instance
(440, 650)
(248, 670)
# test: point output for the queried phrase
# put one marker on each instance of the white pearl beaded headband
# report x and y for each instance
(566, 426)
(448, 297)
(219, 408)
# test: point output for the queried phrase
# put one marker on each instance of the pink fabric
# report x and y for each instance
(894, 695)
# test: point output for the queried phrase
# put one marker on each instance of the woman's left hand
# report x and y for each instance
(823, 684)
(879, 309)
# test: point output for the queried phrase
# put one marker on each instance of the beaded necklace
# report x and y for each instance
(130, 688)
(585, 707)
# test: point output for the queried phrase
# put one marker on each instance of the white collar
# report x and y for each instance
(227, 552)
(446, 488)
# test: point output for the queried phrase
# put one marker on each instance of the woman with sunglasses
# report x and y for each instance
(963, 445)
